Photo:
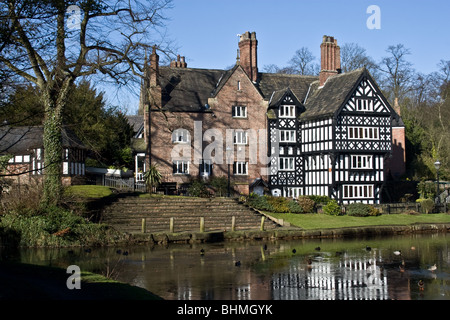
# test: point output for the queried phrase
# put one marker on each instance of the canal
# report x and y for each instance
(387, 268)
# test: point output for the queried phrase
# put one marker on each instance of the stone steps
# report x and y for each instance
(126, 214)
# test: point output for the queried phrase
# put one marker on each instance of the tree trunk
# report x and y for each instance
(54, 106)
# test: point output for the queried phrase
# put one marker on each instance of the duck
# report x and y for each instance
(318, 248)
(237, 263)
(119, 251)
(420, 284)
(202, 252)
(398, 252)
(125, 253)
(294, 251)
(432, 268)
(368, 248)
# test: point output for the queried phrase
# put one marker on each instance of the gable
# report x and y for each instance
(236, 80)
(366, 98)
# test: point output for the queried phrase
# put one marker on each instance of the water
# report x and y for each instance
(274, 270)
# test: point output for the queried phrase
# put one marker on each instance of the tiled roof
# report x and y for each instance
(21, 140)
(334, 93)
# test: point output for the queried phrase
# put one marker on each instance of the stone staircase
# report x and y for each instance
(127, 212)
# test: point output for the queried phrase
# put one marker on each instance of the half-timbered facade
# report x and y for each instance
(300, 135)
(24, 148)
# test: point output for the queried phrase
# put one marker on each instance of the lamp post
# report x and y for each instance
(437, 165)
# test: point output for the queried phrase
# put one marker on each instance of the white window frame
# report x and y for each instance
(240, 137)
(363, 133)
(358, 191)
(288, 135)
(286, 164)
(206, 167)
(239, 112)
(181, 136)
(240, 168)
(362, 162)
(182, 166)
(286, 111)
(364, 105)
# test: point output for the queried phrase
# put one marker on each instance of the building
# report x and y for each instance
(329, 135)
(25, 148)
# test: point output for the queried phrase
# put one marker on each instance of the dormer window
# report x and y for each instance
(286, 111)
(239, 112)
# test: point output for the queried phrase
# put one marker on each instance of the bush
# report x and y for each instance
(358, 209)
(259, 202)
(306, 203)
(427, 205)
(220, 185)
(57, 227)
(279, 204)
(320, 199)
(294, 207)
(198, 188)
(332, 208)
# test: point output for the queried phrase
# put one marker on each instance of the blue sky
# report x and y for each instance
(205, 31)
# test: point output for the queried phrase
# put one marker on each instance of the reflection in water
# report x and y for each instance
(278, 270)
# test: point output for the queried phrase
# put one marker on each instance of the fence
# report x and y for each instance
(124, 184)
(393, 208)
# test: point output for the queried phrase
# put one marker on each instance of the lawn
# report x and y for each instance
(323, 221)
(88, 191)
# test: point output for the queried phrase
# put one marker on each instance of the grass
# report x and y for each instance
(30, 282)
(323, 221)
(89, 191)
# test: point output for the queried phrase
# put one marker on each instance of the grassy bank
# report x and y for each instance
(323, 221)
(32, 282)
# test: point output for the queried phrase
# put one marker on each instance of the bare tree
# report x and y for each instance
(52, 43)
(303, 62)
(397, 72)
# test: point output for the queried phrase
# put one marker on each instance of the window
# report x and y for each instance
(181, 167)
(362, 162)
(180, 136)
(240, 168)
(239, 85)
(364, 105)
(206, 168)
(358, 191)
(239, 112)
(367, 133)
(287, 135)
(240, 137)
(286, 112)
(286, 164)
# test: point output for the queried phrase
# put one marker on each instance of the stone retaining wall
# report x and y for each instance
(287, 234)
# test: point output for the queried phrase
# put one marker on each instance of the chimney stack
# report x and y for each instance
(180, 63)
(248, 46)
(330, 55)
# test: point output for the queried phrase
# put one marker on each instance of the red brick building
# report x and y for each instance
(325, 135)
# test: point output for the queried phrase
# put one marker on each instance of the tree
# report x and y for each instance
(52, 43)
(397, 72)
(303, 63)
(353, 57)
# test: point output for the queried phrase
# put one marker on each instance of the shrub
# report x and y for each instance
(198, 188)
(279, 204)
(427, 205)
(220, 185)
(358, 209)
(332, 208)
(294, 207)
(306, 203)
(259, 202)
(320, 199)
